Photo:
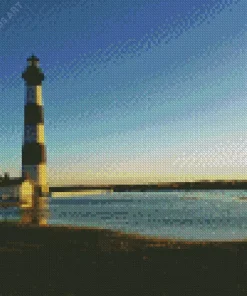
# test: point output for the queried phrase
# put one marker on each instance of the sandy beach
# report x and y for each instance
(43, 260)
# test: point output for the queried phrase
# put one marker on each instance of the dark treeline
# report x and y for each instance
(198, 185)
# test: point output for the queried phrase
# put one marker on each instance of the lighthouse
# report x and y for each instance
(33, 149)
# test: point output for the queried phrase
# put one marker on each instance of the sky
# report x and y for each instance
(135, 91)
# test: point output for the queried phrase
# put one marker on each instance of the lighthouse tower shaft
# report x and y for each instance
(33, 149)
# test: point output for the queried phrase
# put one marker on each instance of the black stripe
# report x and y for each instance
(33, 154)
(33, 114)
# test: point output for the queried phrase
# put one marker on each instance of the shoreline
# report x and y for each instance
(45, 260)
(139, 240)
(115, 240)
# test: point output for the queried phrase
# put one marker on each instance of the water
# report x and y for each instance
(190, 215)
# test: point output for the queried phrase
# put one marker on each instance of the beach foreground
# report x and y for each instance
(43, 260)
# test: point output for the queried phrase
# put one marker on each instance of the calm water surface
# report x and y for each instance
(194, 215)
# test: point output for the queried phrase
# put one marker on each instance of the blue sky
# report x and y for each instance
(135, 90)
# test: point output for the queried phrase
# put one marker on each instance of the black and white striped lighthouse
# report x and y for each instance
(33, 149)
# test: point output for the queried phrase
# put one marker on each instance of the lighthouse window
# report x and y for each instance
(30, 133)
(30, 95)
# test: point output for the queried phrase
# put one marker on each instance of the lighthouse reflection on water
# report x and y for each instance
(38, 214)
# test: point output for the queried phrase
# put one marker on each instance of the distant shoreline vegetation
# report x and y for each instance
(198, 185)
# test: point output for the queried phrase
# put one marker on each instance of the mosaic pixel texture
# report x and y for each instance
(135, 92)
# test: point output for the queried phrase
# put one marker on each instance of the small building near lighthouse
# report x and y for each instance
(19, 190)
